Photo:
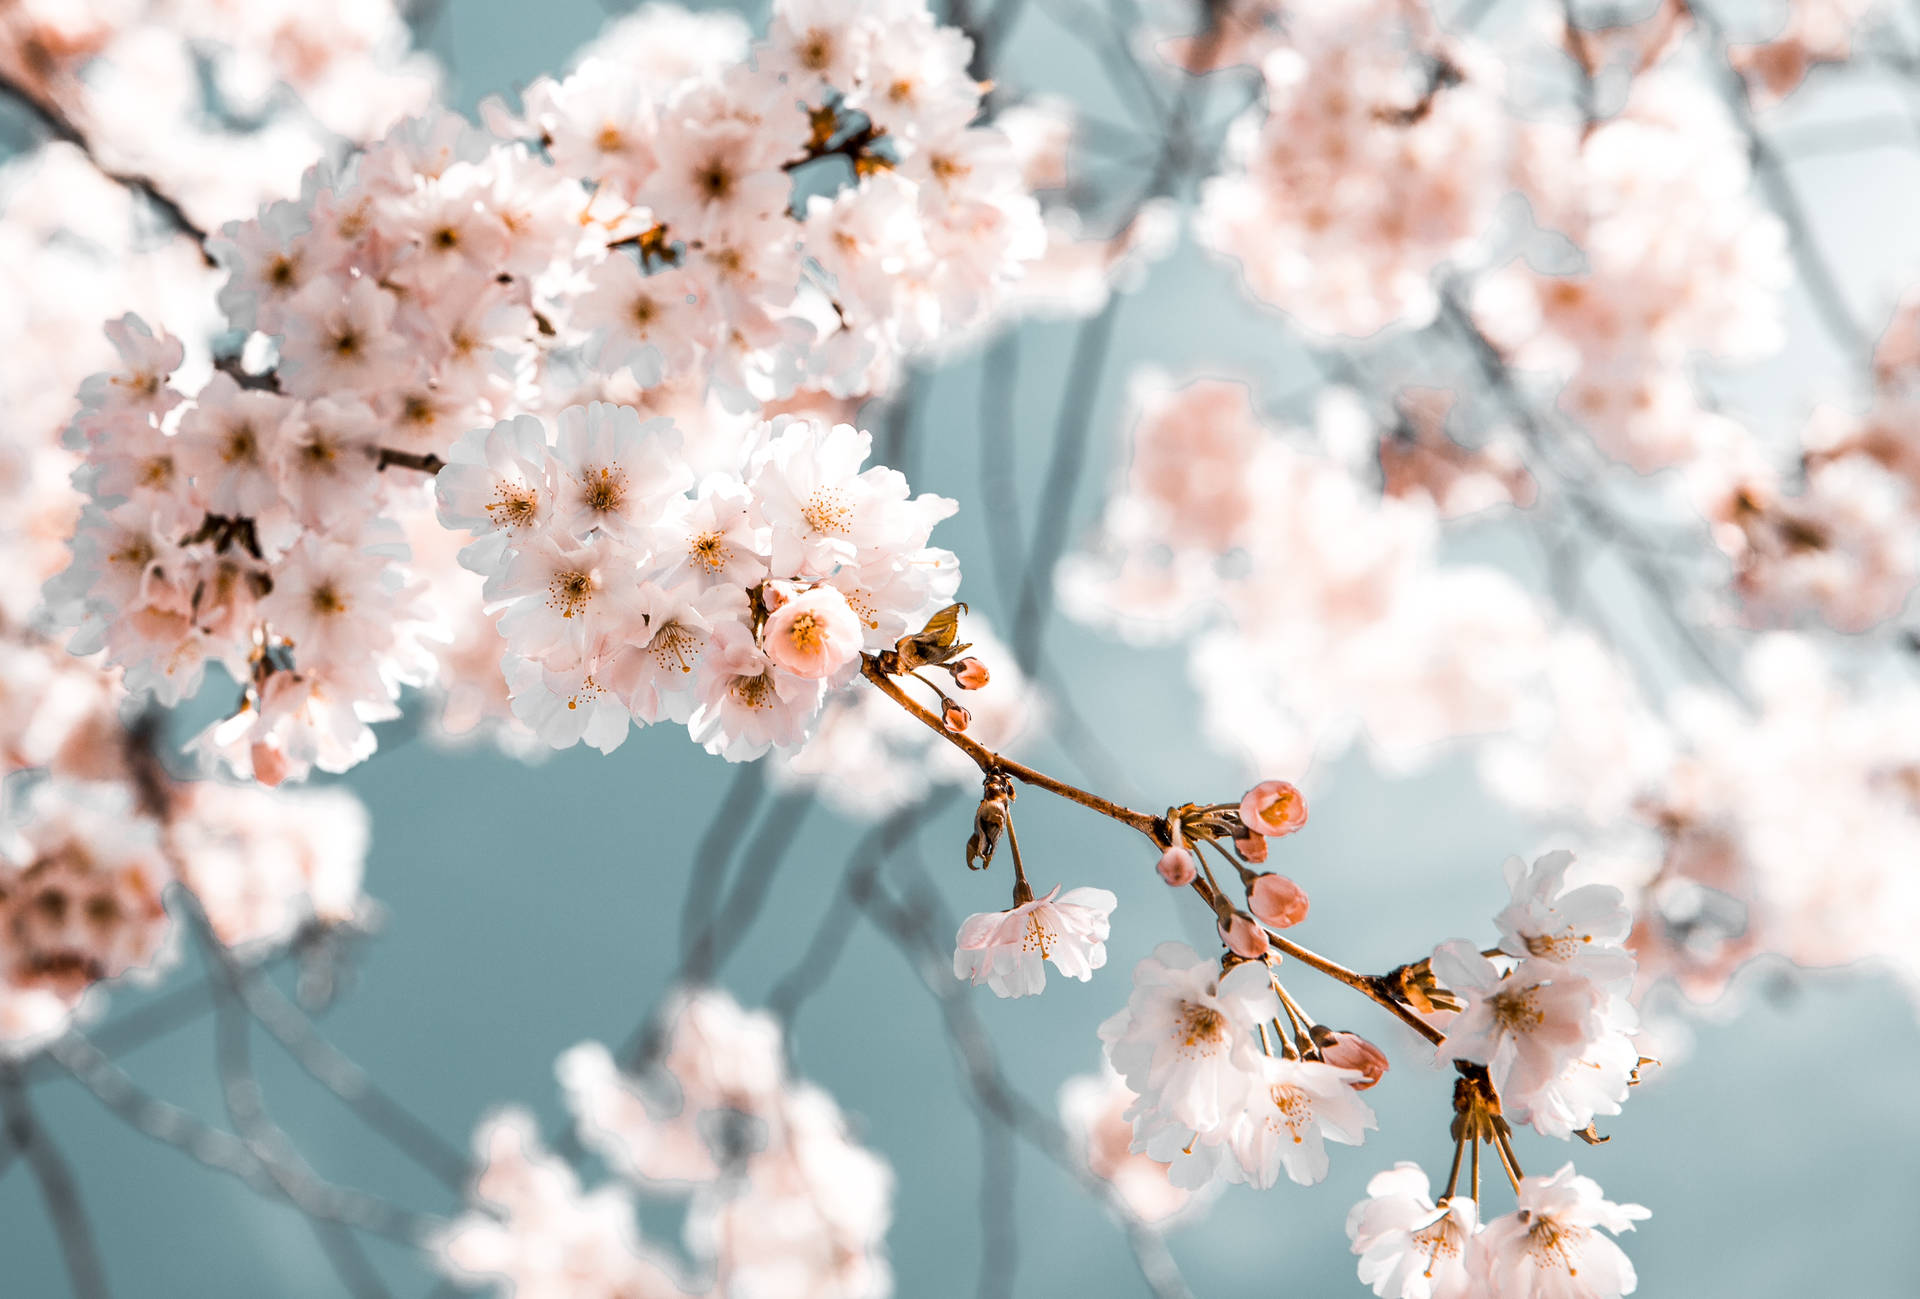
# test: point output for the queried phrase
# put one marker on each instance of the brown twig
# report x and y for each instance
(1373, 987)
(57, 124)
(424, 462)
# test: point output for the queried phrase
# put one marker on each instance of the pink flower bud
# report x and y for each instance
(1242, 936)
(1351, 1051)
(270, 764)
(1177, 867)
(969, 673)
(1251, 847)
(1274, 808)
(1277, 900)
(955, 717)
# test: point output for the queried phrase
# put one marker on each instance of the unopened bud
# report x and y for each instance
(1251, 847)
(1277, 901)
(1345, 1050)
(1273, 808)
(968, 673)
(775, 594)
(1242, 936)
(955, 717)
(270, 764)
(1177, 867)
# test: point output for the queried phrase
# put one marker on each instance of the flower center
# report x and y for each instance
(1201, 1025)
(1038, 937)
(754, 692)
(606, 490)
(1295, 1108)
(1518, 1011)
(674, 645)
(326, 600)
(241, 445)
(569, 592)
(827, 511)
(807, 631)
(709, 551)
(513, 507)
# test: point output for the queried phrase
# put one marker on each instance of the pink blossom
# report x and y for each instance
(1551, 1245)
(1412, 1248)
(814, 634)
(1009, 950)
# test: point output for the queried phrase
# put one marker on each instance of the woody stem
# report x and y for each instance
(1022, 891)
(1154, 828)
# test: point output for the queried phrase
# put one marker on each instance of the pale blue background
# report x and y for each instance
(530, 908)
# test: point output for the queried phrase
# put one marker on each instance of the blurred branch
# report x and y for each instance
(61, 127)
(816, 963)
(1640, 559)
(246, 1110)
(727, 933)
(58, 1191)
(998, 448)
(707, 872)
(1091, 347)
(907, 927)
(1770, 169)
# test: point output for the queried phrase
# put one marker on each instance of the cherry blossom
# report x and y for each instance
(1009, 950)
(1187, 1042)
(1093, 1109)
(1292, 1110)
(1411, 1248)
(1552, 1246)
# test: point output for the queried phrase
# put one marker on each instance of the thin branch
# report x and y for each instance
(57, 124)
(727, 933)
(989, 1088)
(999, 488)
(221, 1151)
(426, 463)
(711, 855)
(58, 1191)
(989, 762)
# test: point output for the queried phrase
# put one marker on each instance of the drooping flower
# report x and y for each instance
(1580, 930)
(1411, 1248)
(1187, 1042)
(1551, 1247)
(1292, 1110)
(1526, 1027)
(1009, 950)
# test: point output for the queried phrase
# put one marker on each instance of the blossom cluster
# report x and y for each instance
(1554, 1028)
(1377, 159)
(84, 870)
(1551, 1244)
(1218, 511)
(219, 105)
(1210, 1098)
(1678, 261)
(781, 1199)
(1833, 535)
(626, 594)
(449, 292)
